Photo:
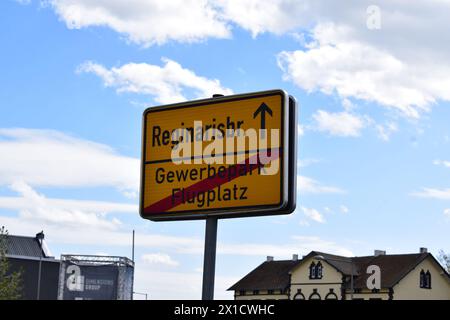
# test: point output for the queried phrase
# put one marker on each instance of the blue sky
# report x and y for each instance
(374, 139)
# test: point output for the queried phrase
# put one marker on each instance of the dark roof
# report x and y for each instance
(267, 276)
(24, 246)
(340, 263)
(394, 267)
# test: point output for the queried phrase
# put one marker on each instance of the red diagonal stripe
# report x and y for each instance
(204, 185)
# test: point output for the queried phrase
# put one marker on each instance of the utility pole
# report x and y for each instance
(40, 238)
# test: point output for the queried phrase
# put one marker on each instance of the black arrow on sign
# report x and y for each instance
(263, 108)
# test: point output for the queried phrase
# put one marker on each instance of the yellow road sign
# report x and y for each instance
(225, 156)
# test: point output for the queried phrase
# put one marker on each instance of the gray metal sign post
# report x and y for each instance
(209, 259)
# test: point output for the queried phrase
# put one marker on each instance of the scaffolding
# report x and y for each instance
(77, 270)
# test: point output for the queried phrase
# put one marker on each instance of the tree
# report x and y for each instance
(444, 258)
(10, 282)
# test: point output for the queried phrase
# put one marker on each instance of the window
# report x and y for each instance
(255, 292)
(315, 270)
(312, 271)
(428, 279)
(425, 279)
(270, 291)
(242, 292)
(319, 270)
(422, 279)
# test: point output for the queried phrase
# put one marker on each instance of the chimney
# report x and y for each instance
(269, 258)
(379, 253)
(295, 257)
(423, 250)
(40, 236)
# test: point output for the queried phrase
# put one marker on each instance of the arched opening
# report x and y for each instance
(331, 295)
(315, 295)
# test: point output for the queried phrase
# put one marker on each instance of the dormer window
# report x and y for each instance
(312, 271)
(422, 279)
(425, 279)
(315, 270)
(428, 279)
(319, 270)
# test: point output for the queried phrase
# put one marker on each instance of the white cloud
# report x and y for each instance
(159, 259)
(342, 124)
(442, 194)
(165, 83)
(405, 65)
(35, 207)
(447, 213)
(24, 203)
(300, 130)
(304, 223)
(145, 22)
(313, 214)
(385, 131)
(299, 37)
(442, 163)
(257, 16)
(93, 235)
(53, 159)
(308, 185)
(169, 285)
(352, 69)
(391, 67)
(90, 236)
(344, 209)
(149, 22)
(296, 244)
(301, 163)
(349, 124)
(348, 105)
(314, 243)
(23, 2)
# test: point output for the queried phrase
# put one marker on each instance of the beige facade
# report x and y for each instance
(302, 287)
(402, 278)
(409, 287)
(261, 295)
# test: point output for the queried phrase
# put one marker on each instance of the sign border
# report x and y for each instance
(287, 165)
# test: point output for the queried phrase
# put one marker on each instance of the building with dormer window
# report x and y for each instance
(323, 276)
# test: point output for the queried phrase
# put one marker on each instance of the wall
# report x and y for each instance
(368, 294)
(263, 295)
(331, 279)
(30, 272)
(409, 287)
